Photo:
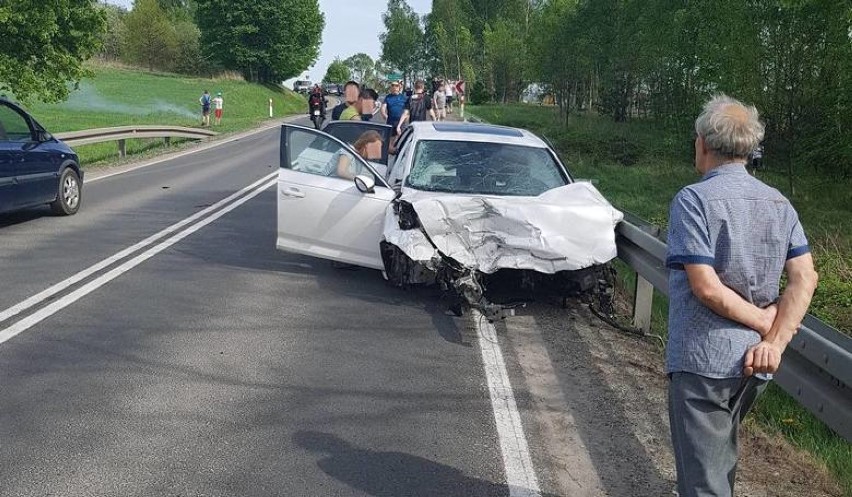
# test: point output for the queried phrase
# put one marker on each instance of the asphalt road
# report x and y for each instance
(203, 362)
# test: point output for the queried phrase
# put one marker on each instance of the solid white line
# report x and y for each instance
(100, 281)
(62, 285)
(520, 474)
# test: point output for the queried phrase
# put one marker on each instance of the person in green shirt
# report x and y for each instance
(364, 107)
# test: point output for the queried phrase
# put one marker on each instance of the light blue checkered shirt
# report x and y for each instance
(746, 230)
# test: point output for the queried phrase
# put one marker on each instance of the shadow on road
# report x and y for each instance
(392, 474)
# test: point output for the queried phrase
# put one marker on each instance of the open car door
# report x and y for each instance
(321, 211)
(349, 131)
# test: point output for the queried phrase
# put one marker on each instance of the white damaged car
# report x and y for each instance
(460, 205)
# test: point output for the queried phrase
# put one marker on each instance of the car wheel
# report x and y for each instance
(69, 195)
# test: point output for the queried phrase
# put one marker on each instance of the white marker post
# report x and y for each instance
(270, 107)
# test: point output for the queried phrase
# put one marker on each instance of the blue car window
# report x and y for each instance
(13, 126)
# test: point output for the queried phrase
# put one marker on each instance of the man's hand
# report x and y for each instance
(764, 357)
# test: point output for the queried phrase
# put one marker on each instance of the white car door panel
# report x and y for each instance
(321, 214)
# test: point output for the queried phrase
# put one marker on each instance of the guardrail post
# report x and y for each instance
(642, 304)
(122, 149)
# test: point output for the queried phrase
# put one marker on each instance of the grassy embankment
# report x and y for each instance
(123, 96)
(639, 168)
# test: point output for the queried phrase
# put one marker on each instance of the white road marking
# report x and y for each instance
(62, 285)
(520, 474)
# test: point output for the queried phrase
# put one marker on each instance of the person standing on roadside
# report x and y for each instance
(351, 90)
(205, 108)
(730, 239)
(394, 106)
(460, 92)
(439, 103)
(417, 107)
(218, 103)
(449, 95)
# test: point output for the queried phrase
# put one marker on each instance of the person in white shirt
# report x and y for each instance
(218, 102)
(448, 91)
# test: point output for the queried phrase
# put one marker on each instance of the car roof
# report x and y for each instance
(480, 132)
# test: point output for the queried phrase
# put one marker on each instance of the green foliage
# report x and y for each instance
(361, 67)
(122, 97)
(44, 45)
(337, 72)
(114, 37)
(266, 40)
(151, 38)
(402, 41)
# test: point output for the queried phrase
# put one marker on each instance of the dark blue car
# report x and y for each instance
(35, 167)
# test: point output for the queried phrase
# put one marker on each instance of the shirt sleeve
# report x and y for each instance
(798, 241)
(689, 236)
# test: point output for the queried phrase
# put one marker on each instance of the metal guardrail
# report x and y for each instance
(816, 368)
(123, 133)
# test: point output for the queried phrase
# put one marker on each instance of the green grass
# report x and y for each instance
(123, 97)
(639, 168)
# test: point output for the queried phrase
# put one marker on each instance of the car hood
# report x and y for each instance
(563, 229)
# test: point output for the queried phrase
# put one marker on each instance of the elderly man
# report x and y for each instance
(730, 238)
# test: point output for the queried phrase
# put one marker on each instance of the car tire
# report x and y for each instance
(69, 193)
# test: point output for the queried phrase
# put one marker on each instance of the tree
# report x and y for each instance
(151, 39)
(337, 72)
(266, 40)
(114, 38)
(402, 41)
(44, 45)
(361, 67)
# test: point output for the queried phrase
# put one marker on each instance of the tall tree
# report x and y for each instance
(361, 67)
(151, 39)
(44, 45)
(266, 40)
(402, 41)
(337, 72)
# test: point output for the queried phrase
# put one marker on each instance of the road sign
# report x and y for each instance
(394, 76)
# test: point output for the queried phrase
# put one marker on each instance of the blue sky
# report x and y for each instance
(350, 27)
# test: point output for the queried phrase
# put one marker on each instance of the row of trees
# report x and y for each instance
(653, 59)
(44, 44)
(359, 67)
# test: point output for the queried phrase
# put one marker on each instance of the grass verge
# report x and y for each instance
(639, 168)
(125, 97)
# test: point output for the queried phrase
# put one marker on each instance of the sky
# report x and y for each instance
(351, 26)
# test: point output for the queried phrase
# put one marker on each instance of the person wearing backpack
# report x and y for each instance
(205, 108)
(394, 106)
(417, 107)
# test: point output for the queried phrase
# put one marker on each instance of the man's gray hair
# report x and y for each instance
(729, 128)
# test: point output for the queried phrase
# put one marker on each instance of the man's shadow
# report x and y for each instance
(392, 474)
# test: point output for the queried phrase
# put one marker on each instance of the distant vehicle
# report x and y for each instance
(35, 167)
(302, 86)
(332, 89)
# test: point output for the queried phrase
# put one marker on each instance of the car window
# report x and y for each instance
(484, 168)
(13, 126)
(350, 131)
(312, 153)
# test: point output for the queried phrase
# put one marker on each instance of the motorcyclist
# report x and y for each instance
(316, 100)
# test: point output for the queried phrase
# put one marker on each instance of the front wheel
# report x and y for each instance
(317, 121)
(68, 195)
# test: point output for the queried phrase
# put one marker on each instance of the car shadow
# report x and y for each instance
(24, 216)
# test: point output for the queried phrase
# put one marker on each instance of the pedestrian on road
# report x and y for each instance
(439, 102)
(205, 108)
(218, 103)
(394, 106)
(730, 238)
(448, 87)
(460, 91)
(351, 90)
(417, 107)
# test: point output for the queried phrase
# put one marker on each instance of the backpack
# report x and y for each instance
(417, 107)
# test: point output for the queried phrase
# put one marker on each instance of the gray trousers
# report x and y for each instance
(705, 414)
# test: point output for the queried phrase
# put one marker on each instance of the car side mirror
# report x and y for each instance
(365, 184)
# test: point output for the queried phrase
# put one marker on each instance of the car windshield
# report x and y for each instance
(484, 168)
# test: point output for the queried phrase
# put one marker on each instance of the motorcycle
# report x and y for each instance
(317, 117)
